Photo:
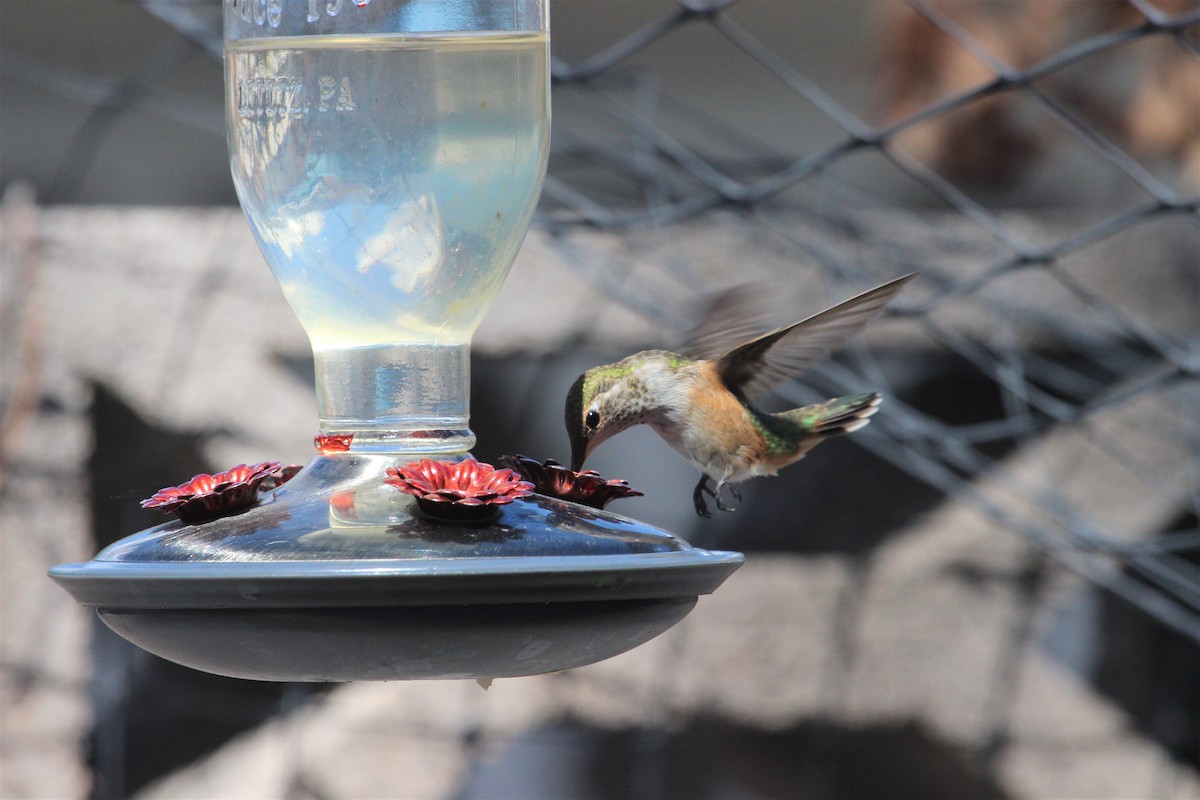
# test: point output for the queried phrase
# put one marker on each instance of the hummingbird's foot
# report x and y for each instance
(702, 488)
(734, 493)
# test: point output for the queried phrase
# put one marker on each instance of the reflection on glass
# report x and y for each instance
(389, 179)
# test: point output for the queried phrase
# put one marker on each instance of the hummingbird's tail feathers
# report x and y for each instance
(839, 415)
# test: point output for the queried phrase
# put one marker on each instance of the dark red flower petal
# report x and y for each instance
(467, 483)
(279, 477)
(586, 487)
(207, 497)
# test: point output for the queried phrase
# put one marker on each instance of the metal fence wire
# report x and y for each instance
(1120, 379)
(967, 96)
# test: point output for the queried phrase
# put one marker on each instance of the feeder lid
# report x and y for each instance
(336, 576)
(328, 538)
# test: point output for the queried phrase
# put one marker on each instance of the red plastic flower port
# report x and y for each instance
(586, 488)
(468, 490)
(280, 476)
(327, 443)
(207, 497)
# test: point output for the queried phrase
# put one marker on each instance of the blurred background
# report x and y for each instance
(991, 591)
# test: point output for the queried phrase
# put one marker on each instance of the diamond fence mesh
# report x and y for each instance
(1038, 163)
(973, 97)
(974, 109)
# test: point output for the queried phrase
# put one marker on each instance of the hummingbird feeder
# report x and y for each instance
(389, 156)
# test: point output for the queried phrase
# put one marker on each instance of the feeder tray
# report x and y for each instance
(336, 576)
(384, 249)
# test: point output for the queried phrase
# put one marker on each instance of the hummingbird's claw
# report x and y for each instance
(698, 497)
(734, 493)
(702, 488)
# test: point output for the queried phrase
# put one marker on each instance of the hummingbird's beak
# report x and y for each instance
(579, 452)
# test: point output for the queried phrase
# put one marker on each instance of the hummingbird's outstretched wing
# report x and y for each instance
(735, 315)
(772, 358)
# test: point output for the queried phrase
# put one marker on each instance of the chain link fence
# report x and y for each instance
(978, 117)
(969, 97)
(973, 104)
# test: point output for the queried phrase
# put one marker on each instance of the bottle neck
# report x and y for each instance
(402, 399)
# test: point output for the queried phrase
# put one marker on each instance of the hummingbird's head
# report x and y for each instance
(601, 403)
(605, 401)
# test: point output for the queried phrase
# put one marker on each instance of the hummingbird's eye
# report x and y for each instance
(592, 420)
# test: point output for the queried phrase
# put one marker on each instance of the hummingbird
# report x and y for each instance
(698, 400)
